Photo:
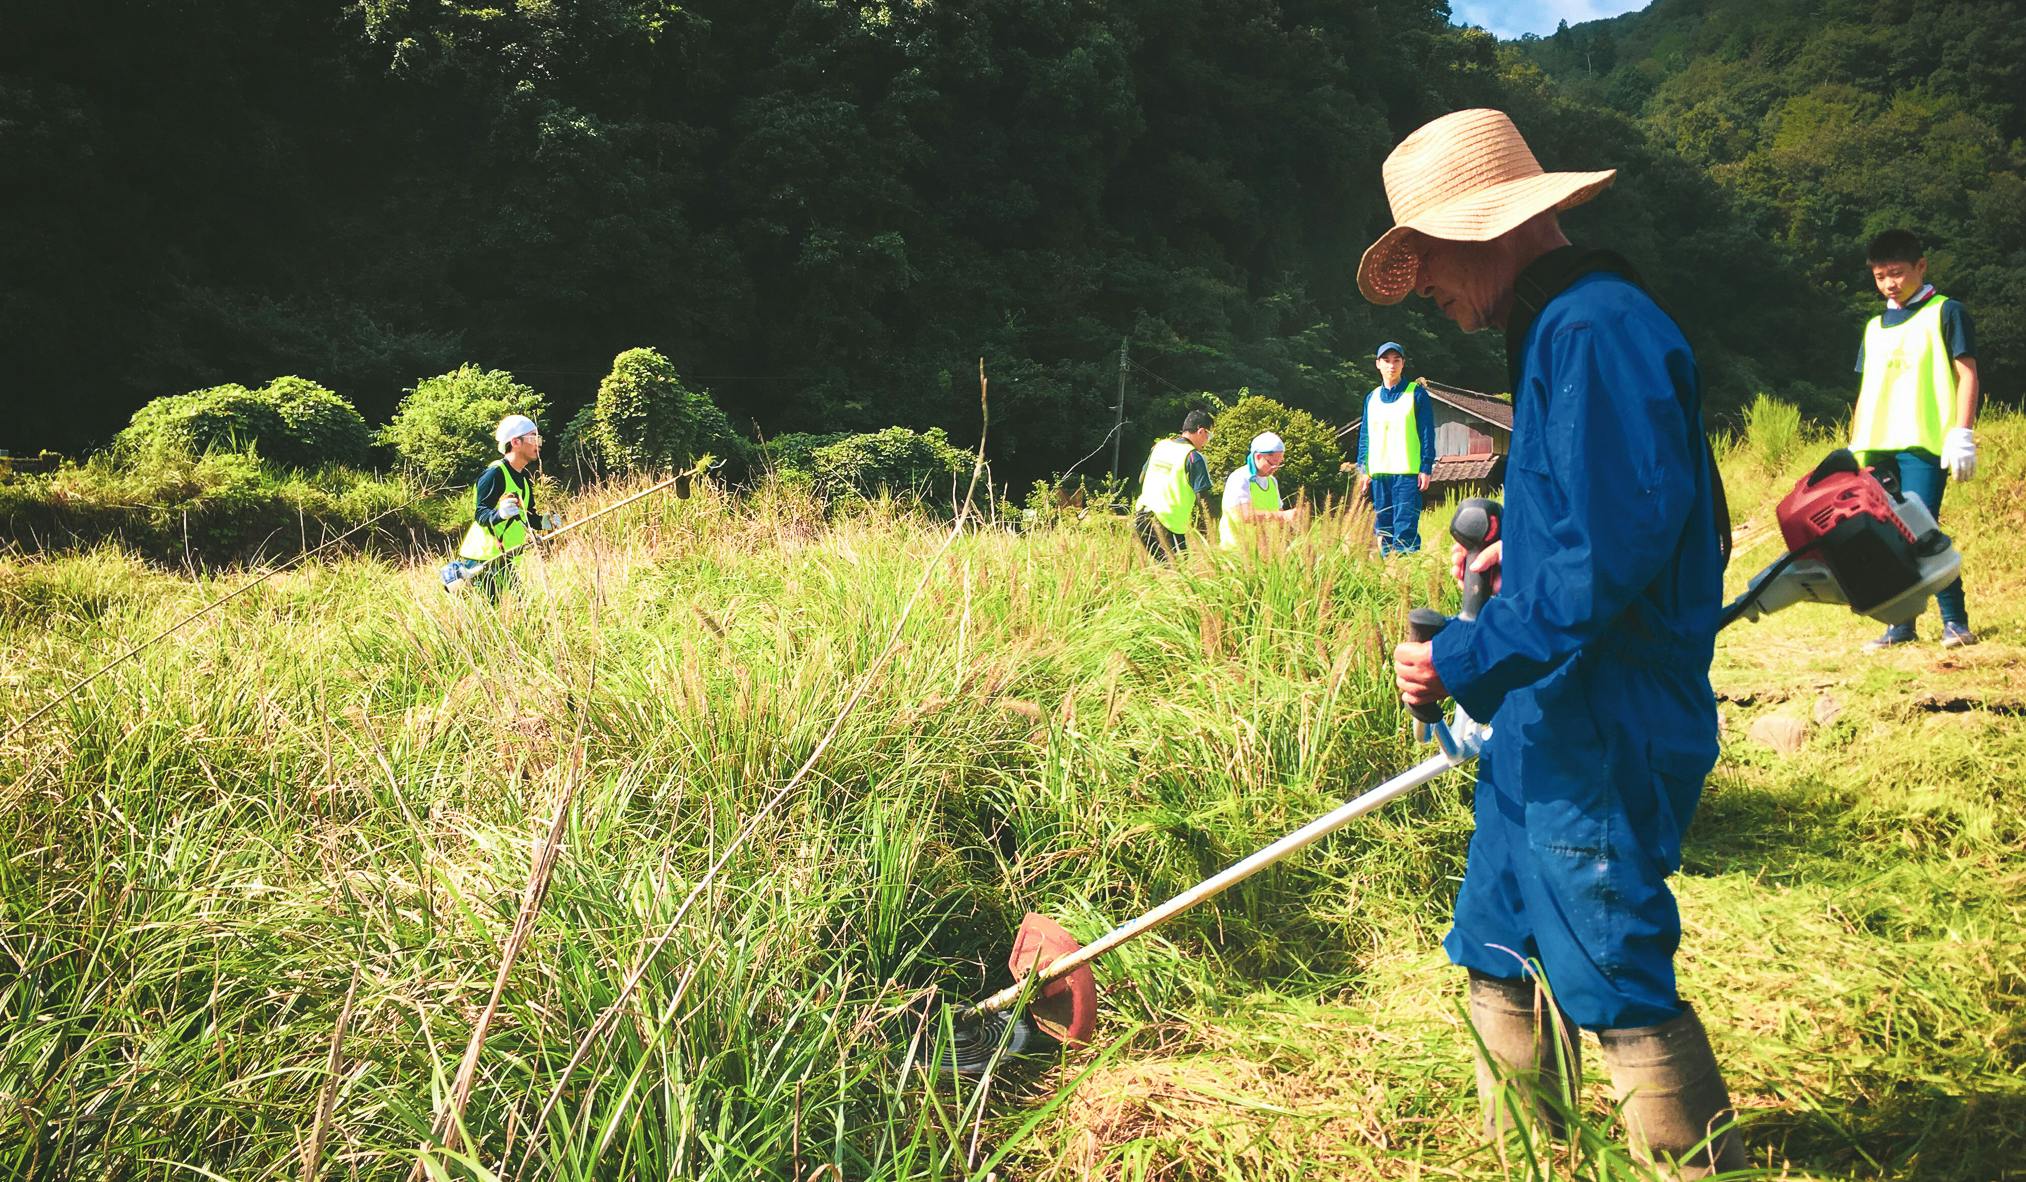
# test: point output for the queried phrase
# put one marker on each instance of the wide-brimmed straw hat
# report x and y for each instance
(1466, 177)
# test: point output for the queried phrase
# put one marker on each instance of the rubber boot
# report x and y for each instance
(1520, 1028)
(1674, 1097)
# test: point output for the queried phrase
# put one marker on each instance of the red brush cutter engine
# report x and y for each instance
(1853, 538)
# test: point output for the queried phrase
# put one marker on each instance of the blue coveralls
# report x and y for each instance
(1592, 662)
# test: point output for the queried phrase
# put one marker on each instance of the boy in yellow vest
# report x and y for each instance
(1917, 400)
(1175, 478)
(1396, 449)
(503, 512)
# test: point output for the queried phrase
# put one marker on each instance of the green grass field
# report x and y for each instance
(256, 886)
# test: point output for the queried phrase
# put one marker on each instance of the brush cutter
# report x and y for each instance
(1052, 972)
(1853, 538)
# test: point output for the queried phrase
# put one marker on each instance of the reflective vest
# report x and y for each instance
(483, 543)
(1165, 490)
(1908, 395)
(1392, 437)
(1265, 498)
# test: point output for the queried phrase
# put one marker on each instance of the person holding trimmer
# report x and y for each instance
(1591, 661)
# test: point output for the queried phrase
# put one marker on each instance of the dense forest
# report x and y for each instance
(824, 211)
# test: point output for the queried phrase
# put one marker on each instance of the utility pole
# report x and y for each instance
(1118, 429)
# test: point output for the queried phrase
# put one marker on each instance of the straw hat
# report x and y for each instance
(1466, 177)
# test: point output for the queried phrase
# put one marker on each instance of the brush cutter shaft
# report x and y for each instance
(611, 508)
(1230, 876)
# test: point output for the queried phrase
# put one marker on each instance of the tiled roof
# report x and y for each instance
(1488, 407)
(1494, 410)
(1450, 468)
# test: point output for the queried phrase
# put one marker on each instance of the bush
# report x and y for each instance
(897, 460)
(222, 418)
(796, 451)
(322, 428)
(1314, 457)
(443, 428)
(646, 420)
(291, 421)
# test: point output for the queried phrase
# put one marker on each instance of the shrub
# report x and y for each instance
(897, 460)
(321, 427)
(796, 451)
(221, 418)
(290, 421)
(443, 428)
(1314, 457)
(646, 420)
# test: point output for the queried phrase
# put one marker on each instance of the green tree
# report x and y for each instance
(1314, 457)
(646, 420)
(443, 428)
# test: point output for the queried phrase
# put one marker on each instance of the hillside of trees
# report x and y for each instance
(1826, 121)
(824, 211)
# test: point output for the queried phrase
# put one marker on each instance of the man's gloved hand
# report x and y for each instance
(1959, 453)
(509, 508)
(551, 522)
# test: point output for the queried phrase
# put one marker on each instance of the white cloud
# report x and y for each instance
(1510, 18)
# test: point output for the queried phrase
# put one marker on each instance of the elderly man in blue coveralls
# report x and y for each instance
(1591, 661)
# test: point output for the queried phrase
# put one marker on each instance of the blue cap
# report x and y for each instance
(1381, 350)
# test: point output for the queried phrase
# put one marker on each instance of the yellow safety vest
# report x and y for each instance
(1165, 490)
(1908, 395)
(482, 544)
(1265, 498)
(1392, 437)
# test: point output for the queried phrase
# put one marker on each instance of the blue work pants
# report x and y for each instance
(1921, 477)
(1583, 793)
(1396, 512)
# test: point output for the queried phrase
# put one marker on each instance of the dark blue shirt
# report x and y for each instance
(1957, 329)
(1610, 534)
(1424, 423)
(492, 486)
(1198, 469)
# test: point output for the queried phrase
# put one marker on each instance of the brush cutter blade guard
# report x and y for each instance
(1065, 1009)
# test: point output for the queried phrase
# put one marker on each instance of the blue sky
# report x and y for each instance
(1510, 18)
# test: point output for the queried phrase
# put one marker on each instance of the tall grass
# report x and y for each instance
(322, 803)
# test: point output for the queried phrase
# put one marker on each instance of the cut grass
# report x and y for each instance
(322, 802)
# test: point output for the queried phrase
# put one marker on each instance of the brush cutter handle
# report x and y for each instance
(1477, 524)
(1422, 625)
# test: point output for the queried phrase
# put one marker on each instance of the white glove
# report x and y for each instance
(551, 522)
(1959, 453)
(509, 508)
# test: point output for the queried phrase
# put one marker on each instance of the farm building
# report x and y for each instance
(1473, 432)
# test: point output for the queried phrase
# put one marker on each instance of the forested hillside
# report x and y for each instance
(1826, 121)
(822, 212)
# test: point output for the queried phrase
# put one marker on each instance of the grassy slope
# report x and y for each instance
(1852, 912)
(337, 775)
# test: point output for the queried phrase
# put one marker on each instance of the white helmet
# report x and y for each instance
(511, 428)
(1266, 443)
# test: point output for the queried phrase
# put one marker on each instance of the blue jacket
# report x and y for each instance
(1424, 423)
(1610, 537)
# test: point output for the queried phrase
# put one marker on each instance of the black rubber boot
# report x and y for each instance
(1674, 1097)
(1521, 1029)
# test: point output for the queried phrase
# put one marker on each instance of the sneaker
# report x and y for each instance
(1957, 635)
(1894, 636)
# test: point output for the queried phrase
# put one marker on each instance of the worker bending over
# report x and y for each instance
(1176, 476)
(1591, 662)
(1252, 495)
